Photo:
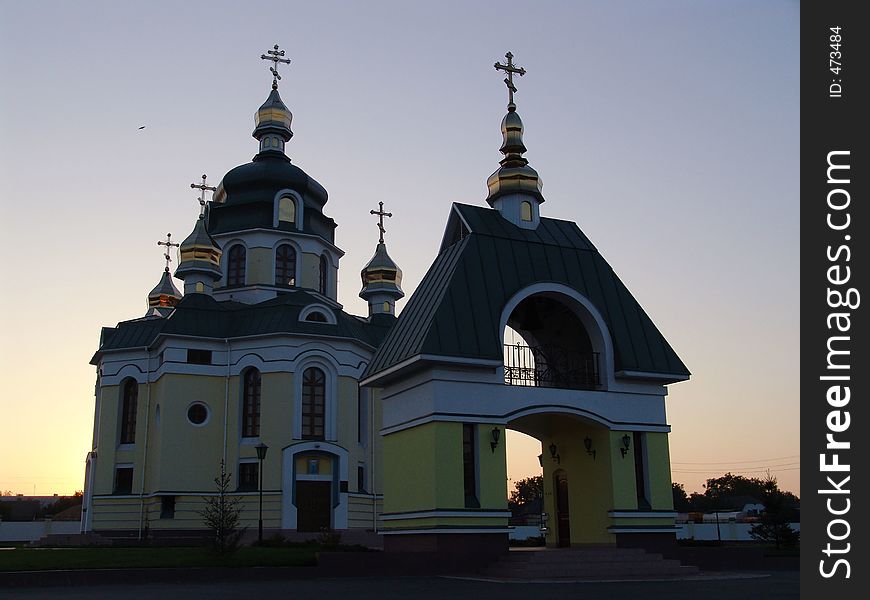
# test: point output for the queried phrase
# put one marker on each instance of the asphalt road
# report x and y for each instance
(730, 587)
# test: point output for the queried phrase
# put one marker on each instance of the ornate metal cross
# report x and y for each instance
(381, 214)
(169, 244)
(275, 56)
(510, 68)
(202, 186)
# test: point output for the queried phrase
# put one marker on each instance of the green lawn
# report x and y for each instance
(44, 559)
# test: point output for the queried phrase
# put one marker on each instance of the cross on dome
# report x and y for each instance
(169, 244)
(275, 55)
(510, 68)
(202, 186)
(381, 214)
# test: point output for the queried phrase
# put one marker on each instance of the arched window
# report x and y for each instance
(526, 211)
(287, 210)
(313, 403)
(236, 266)
(128, 411)
(324, 275)
(251, 403)
(285, 265)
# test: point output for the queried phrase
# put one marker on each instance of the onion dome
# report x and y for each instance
(382, 281)
(272, 122)
(164, 296)
(514, 176)
(200, 260)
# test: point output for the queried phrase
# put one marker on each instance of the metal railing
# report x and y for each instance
(550, 366)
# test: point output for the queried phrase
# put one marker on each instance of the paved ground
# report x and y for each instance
(766, 587)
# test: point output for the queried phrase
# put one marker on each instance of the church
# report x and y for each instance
(389, 426)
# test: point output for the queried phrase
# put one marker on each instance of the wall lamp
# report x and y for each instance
(554, 453)
(626, 443)
(587, 442)
(496, 433)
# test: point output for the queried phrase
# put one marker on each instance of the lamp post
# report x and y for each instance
(261, 455)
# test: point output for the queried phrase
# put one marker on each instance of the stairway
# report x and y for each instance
(595, 563)
(70, 539)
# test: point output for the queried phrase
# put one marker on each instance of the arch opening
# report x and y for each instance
(546, 344)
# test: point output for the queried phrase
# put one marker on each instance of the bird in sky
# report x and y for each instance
(143, 127)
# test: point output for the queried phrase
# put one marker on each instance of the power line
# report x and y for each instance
(736, 462)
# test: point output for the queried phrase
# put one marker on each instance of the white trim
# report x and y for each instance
(208, 412)
(503, 514)
(297, 200)
(590, 317)
(306, 477)
(426, 531)
(437, 358)
(339, 466)
(636, 514)
(319, 308)
(674, 377)
(326, 363)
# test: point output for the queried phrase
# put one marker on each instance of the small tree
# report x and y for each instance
(222, 514)
(773, 525)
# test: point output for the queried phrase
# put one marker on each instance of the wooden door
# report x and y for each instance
(563, 523)
(313, 505)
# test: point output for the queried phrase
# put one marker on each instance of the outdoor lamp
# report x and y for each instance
(626, 442)
(261, 455)
(587, 441)
(496, 432)
(553, 453)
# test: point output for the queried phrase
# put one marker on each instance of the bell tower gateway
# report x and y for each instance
(587, 379)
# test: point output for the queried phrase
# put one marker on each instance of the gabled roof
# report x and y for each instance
(484, 261)
(199, 315)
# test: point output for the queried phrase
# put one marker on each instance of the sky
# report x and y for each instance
(668, 130)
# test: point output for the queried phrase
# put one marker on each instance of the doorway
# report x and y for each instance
(563, 520)
(314, 503)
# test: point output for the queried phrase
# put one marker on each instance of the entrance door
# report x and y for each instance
(314, 505)
(563, 526)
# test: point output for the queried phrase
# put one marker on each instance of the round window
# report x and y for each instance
(197, 413)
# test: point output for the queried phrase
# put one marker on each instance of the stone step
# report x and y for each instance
(578, 556)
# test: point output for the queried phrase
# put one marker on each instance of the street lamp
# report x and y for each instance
(261, 455)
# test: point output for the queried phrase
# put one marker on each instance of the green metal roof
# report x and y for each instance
(203, 316)
(484, 261)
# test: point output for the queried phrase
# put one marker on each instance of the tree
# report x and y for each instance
(222, 514)
(526, 490)
(773, 525)
(681, 499)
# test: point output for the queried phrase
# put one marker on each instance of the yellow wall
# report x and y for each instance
(659, 460)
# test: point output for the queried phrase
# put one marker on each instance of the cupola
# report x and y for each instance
(163, 298)
(381, 277)
(515, 187)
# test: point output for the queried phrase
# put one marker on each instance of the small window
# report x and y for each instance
(236, 264)
(469, 466)
(285, 266)
(251, 403)
(386, 307)
(526, 211)
(124, 480)
(313, 403)
(324, 275)
(361, 479)
(287, 210)
(128, 412)
(317, 317)
(167, 507)
(198, 357)
(197, 414)
(199, 287)
(249, 477)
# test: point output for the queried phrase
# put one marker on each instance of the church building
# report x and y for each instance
(380, 425)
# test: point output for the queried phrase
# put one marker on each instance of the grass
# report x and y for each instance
(50, 559)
